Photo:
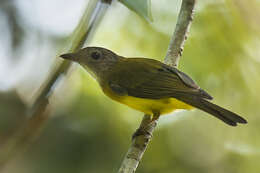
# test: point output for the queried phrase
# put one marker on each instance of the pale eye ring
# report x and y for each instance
(95, 55)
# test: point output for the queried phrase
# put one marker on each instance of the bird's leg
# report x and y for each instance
(142, 130)
(156, 116)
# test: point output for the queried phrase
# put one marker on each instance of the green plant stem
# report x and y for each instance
(38, 114)
(139, 144)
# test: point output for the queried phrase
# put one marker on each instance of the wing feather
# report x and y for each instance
(154, 80)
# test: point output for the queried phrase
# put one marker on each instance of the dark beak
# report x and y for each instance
(68, 56)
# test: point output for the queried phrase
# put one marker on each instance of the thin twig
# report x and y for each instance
(38, 114)
(181, 33)
(139, 144)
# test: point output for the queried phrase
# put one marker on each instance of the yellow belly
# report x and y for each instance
(148, 106)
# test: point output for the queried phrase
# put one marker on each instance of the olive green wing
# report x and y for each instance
(147, 78)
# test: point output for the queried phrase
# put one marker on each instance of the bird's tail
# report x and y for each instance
(223, 114)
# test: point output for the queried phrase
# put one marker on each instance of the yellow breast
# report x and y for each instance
(148, 106)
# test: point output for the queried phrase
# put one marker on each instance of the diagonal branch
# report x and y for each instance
(29, 130)
(139, 144)
(180, 34)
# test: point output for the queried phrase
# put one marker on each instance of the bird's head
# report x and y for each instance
(96, 60)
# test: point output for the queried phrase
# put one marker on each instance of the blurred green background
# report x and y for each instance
(88, 132)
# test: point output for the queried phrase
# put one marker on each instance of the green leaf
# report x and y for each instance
(141, 7)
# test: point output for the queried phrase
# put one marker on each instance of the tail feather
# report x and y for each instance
(225, 115)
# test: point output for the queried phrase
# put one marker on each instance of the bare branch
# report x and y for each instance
(139, 144)
(180, 34)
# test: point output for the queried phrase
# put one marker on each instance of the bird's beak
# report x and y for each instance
(68, 56)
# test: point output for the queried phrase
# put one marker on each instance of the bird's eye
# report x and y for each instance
(95, 55)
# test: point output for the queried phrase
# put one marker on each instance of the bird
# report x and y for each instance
(147, 85)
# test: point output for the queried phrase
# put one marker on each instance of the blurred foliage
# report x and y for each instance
(88, 132)
(16, 30)
(13, 112)
(141, 7)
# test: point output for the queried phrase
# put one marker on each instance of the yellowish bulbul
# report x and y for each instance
(147, 85)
